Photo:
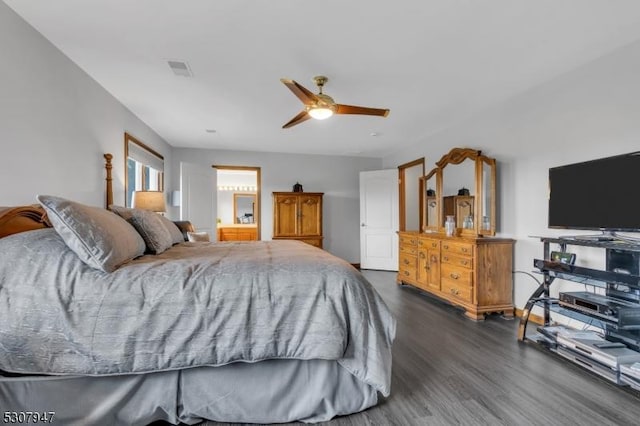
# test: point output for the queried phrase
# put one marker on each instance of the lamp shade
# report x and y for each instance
(149, 200)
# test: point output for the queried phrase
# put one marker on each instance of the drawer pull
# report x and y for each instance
(422, 256)
(455, 291)
(464, 262)
(454, 276)
(407, 273)
(434, 259)
(413, 242)
(434, 245)
(406, 262)
(445, 258)
(446, 247)
(464, 249)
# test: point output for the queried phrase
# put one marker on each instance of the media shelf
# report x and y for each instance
(610, 316)
(588, 276)
(578, 240)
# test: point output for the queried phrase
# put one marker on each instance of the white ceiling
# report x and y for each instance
(432, 62)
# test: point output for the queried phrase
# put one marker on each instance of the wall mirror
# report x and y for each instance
(144, 168)
(468, 191)
(430, 189)
(244, 208)
(409, 175)
(487, 212)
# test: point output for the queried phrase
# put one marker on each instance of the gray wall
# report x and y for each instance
(337, 177)
(57, 122)
(589, 113)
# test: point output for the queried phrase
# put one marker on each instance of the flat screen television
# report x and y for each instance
(601, 194)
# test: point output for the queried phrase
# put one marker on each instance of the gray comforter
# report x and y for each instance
(197, 304)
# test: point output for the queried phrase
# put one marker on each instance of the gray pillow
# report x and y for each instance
(127, 213)
(100, 238)
(124, 212)
(176, 234)
(153, 232)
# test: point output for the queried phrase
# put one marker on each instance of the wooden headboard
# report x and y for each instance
(21, 219)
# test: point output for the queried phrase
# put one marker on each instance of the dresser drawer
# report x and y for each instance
(428, 244)
(456, 289)
(407, 249)
(465, 249)
(408, 261)
(456, 274)
(455, 260)
(407, 274)
(406, 240)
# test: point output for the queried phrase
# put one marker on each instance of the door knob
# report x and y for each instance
(363, 225)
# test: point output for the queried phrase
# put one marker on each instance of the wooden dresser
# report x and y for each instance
(474, 273)
(298, 216)
(237, 232)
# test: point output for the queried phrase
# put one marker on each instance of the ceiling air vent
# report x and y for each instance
(180, 68)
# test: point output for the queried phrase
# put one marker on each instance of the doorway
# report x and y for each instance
(238, 208)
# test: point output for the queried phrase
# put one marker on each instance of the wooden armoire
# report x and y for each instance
(298, 216)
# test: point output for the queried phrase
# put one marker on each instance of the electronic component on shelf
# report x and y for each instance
(630, 375)
(631, 338)
(623, 262)
(624, 313)
(589, 363)
(591, 346)
(629, 381)
(563, 257)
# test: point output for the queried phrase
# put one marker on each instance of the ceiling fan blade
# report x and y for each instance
(350, 109)
(303, 94)
(303, 116)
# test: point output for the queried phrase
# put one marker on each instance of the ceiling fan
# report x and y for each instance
(321, 106)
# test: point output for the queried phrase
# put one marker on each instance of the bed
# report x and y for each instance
(260, 332)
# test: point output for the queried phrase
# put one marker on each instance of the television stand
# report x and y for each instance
(607, 338)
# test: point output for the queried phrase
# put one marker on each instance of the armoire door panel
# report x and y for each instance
(286, 217)
(309, 220)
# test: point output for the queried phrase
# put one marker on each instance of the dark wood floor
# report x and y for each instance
(448, 370)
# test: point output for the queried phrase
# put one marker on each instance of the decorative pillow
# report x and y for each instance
(101, 239)
(127, 213)
(198, 236)
(174, 231)
(153, 232)
(124, 212)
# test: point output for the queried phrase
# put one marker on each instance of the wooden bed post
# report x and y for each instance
(108, 166)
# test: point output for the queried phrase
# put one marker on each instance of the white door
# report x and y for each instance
(199, 197)
(379, 220)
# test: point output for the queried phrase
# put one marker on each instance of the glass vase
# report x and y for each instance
(450, 226)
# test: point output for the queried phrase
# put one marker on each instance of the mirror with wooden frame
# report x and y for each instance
(430, 188)
(409, 177)
(468, 191)
(244, 208)
(487, 208)
(144, 168)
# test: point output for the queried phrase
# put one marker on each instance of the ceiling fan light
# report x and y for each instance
(320, 113)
